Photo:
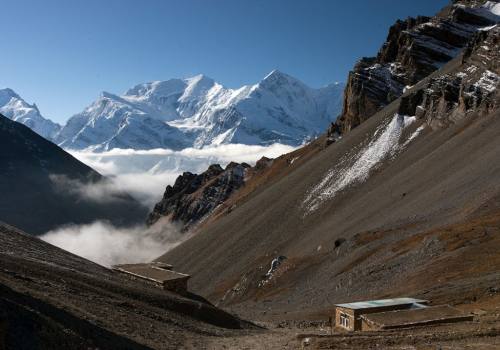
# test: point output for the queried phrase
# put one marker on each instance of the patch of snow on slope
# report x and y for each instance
(493, 7)
(488, 81)
(489, 10)
(488, 28)
(384, 144)
(414, 135)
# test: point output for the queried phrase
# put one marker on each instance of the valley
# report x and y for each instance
(377, 192)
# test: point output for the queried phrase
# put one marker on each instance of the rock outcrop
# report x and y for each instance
(414, 48)
(473, 89)
(194, 196)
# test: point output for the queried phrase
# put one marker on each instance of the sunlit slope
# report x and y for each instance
(428, 177)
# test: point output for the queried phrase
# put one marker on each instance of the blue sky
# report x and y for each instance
(62, 53)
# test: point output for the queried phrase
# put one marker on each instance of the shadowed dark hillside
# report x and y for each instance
(43, 186)
(51, 299)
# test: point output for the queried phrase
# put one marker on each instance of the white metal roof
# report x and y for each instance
(381, 303)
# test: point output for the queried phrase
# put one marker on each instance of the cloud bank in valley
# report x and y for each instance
(107, 245)
(144, 175)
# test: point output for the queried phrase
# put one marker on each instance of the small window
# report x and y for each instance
(344, 320)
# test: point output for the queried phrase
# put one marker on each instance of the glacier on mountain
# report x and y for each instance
(197, 112)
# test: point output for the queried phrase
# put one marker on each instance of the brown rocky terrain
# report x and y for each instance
(406, 203)
(196, 200)
(51, 299)
(422, 224)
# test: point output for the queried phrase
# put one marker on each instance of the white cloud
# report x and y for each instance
(144, 174)
(104, 191)
(107, 245)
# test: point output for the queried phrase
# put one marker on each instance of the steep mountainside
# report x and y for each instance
(14, 107)
(43, 187)
(51, 299)
(196, 200)
(199, 111)
(414, 48)
(408, 203)
(423, 62)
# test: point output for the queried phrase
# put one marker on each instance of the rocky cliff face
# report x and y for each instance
(194, 196)
(414, 48)
(471, 89)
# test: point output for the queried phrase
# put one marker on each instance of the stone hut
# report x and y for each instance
(348, 316)
(157, 274)
(373, 315)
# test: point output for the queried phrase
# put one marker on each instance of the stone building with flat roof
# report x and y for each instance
(347, 315)
(413, 318)
(157, 274)
(394, 313)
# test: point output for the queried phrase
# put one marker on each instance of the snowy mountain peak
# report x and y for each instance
(276, 73)
(15, 108)
(278, 77)
(108, 95)
(197, 86)
(156, 89)
(9, 92)
(198, 111)
(199, 79)
(278, 82)
(6, 95)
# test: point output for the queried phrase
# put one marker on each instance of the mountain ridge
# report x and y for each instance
(414, 48)
(17, 109)
(198, 111)
(190, 112)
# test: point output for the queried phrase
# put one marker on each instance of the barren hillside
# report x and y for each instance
(407, 203)
(51, 299)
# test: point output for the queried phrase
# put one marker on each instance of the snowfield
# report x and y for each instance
(355, 168)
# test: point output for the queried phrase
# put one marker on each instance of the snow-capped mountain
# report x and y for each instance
(198, 111)
(14, 107)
